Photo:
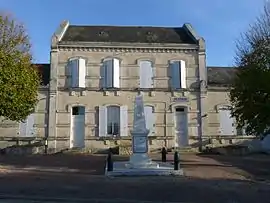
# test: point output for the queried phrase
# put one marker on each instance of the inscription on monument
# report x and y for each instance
(140, 145)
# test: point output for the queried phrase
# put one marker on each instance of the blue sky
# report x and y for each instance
(218, 21)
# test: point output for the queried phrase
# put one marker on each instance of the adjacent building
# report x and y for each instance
(95, 72)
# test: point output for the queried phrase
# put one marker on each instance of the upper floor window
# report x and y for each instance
(146, 74)
(111, 73)
(77, 69)
(178, 74)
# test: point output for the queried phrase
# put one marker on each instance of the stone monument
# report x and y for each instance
(139, 135)
(139, 163)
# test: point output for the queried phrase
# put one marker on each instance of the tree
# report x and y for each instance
(19, 80)
(250, 92)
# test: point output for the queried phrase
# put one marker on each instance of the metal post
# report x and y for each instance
(163, 154)
(176, 160)
(46, 146)
(200, 116)
(109, 161)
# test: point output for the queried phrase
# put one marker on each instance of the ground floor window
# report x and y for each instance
(113, 120)
(26, 128)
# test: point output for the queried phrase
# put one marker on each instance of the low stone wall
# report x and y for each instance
(36, 148)
(123, 146)
(19, 150)
(21, 145)
(235, 145)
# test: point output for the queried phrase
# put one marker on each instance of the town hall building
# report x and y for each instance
(87, 94)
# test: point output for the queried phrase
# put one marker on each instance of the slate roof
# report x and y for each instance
(44, 70)
(220, 76)
(127, 34)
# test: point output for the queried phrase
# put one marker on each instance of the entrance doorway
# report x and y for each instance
(77, 127)
(181, 126)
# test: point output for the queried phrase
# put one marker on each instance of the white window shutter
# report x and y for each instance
(142, 75)
(175, 74)
(149, 119)
(109, 73)
(102, 121)
(226, 122)
(69, 73)
(30, 131)
(22, 128)
(123, 121)
(153, 73)
(103, 75)
(74, 73)
(71, 65)
(183, 73)
(27, 128)
(116, 73)
(146, 74)
(82, 72)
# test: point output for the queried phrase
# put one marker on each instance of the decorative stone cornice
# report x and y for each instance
(127, 50)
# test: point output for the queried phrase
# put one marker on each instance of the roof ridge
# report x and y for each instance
(127, 26)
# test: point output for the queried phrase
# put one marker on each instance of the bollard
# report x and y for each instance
(163, 154)
(176, 160)
(46, 146)
(109, 161)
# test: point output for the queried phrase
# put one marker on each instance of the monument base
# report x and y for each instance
(141, 160)
(122, 168)
(140, 164)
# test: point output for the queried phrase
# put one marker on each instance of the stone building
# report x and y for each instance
(95, 72)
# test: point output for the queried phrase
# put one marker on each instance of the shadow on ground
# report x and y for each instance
(128, 189)
(81, 163)
(256, 166)
(201, 185)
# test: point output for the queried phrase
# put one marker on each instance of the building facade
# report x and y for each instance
(95, 72)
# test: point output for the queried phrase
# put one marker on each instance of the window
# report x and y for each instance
(113, 120)
(179, 109)
(226, 121)
(178, 74)
(111, 73)
(77, 69)
(26, 128)
(150, 119)
(146, 74)
(78, 110)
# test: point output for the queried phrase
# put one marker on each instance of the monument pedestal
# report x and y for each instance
(139, 163)
(139, 157)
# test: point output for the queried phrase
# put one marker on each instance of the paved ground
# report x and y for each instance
(79, 178)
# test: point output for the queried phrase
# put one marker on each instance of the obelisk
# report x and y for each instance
(139, 157)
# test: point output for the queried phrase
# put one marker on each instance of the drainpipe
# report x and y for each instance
(200, 130)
